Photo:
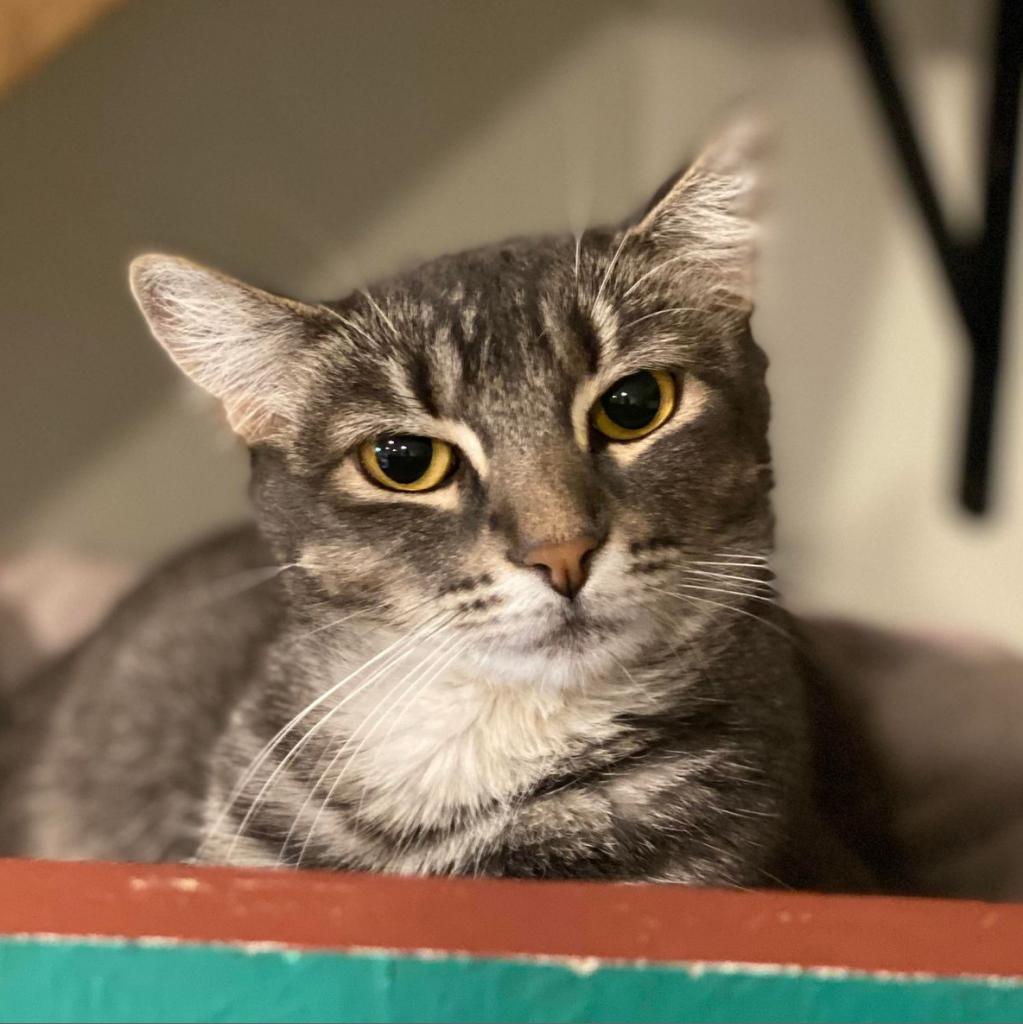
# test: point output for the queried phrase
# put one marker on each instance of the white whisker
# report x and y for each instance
(290, 756)
(282, 733)
(352, 325)
(753, 581)
(733, 593)
(334, 760)
(240, 582)
(380, 313)
(724, 607)
(660, 266)
(628, 674)
(610, 267)
(759, 566)
(663, 312)
(330, 625)
(426, 680)
(380, 718)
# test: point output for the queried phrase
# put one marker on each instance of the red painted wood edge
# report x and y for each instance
(659, 923)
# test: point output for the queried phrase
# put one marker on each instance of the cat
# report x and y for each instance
(506, 606)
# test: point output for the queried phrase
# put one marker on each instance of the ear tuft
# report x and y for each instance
(239, 343)
(708, 214)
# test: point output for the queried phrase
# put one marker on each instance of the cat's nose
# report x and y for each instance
(565, 563)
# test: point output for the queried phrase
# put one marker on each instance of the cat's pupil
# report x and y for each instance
(633, 402)
(405, 457)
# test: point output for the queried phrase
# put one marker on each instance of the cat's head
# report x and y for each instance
(552, 449)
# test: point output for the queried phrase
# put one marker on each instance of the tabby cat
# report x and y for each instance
(505, 608)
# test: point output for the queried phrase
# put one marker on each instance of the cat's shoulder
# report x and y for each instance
(199, 602)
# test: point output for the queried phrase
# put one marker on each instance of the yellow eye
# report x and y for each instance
(635, 405)
(407, 462)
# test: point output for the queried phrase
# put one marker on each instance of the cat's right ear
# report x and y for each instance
(241, 344)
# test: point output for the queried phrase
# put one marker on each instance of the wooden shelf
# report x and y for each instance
(117, 942)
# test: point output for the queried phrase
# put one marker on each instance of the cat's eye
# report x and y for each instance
(635, 405)
(407, 462)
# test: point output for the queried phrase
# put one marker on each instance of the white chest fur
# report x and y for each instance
(452, 740)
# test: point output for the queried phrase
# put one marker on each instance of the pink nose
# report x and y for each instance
(565, 563)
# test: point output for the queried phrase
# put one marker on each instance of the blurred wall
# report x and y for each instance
(309, 144)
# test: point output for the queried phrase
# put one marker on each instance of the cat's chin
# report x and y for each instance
(562, 669)
(564, 651)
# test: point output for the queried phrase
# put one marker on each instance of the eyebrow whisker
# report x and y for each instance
(380, 313)
(352, 325)
(610, 268)
(663, 312)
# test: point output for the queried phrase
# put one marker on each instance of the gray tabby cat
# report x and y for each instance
(507, 607)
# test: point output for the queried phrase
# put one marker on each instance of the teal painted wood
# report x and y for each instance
(70, 980)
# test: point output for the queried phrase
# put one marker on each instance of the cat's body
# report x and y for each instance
(105, 760)
(665, 771)
(553, 652)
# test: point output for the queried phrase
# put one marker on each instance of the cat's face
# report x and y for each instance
(551, 451)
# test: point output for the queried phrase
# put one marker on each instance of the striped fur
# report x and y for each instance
(405, 694)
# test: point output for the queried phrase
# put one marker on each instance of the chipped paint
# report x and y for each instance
(183, 883)
(584, 967)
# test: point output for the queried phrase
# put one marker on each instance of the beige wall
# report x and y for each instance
(305, 144)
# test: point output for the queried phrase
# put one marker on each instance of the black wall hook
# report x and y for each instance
(975, 264)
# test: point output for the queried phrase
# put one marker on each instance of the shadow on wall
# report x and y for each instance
(139, 138)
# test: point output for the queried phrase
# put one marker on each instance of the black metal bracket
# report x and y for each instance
(974, 263)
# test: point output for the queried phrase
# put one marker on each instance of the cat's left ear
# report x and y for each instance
(704, 220)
